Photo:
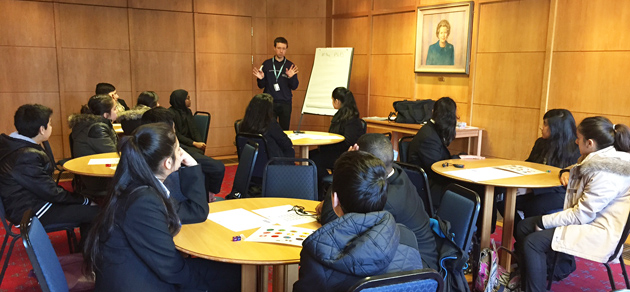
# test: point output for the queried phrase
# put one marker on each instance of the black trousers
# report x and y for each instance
(213, 170)
(80, 215)
(532, 248)
(282, 112)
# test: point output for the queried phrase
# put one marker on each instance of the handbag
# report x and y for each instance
(413, 111)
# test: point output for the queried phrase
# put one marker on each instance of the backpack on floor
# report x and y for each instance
(492, 277)
(452, 259)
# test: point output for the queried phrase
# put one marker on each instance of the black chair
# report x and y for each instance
(237, 124)
(419, 179)
(424, 280)
(460, 206)
(243, 175)
(403, 148)
(58, 164)
(202, 121)
(363, 125)
(283, 178)
(8, 227)
(618, 249)
(261, 159)
(46, 265)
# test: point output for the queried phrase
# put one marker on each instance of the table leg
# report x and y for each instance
(479, 142)
(469, 143)
(486, 220)
(284, 276)
(508, 226)
(303, 150)
(263, 279)
(248, 278)
(279, 278)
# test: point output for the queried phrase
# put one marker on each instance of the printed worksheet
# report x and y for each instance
(280, 234)
(524, 170)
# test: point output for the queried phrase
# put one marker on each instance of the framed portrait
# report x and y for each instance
(443, 37)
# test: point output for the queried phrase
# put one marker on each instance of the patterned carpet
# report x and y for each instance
(589, 276)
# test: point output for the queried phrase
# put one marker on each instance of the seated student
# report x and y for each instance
(130, 247)
(187, 132)
(596, 205)
(346, 122)
(556, 147)
(93, 133)
(430, 144)
(186, 185)
(213, 170)
(130, 119)
(108, 89)
(259, 119)
(403, 201)
(364, 240)
(26, 180)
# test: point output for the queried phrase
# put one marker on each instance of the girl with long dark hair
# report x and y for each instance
(555, 147)
(346, 122)
(430, 144)
(259, 119)
(596, 205)
(130, 247)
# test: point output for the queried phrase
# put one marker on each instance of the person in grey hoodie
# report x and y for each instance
(365, 240)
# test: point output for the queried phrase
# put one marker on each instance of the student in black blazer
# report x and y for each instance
(346, 122)
(259, 119)
(430, 144)
(130, 247)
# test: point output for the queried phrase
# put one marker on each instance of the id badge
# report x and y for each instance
(276, 86)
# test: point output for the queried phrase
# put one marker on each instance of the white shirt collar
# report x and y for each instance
(16, 135)
(391, 173)
(168, 193)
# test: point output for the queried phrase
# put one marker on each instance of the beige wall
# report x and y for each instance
(54, 53)
(527, 57)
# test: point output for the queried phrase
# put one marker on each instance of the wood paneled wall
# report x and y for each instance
(54, 53)
(528, 56)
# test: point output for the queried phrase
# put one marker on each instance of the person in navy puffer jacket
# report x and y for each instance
(364, 240)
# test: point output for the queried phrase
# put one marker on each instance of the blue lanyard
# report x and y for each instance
(277, 73)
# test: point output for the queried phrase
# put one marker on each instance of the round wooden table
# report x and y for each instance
(302, 141)
(212, 241)
(80, 165)
(549, 178)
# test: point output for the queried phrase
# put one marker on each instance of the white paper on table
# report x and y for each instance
(296, 136)
(238, 219)
(284, 215)
(97, 161)
(376, 118)
(280, 234)
(482, 174)
(520, 169)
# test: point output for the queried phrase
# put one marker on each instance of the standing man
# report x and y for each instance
(278, 76)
